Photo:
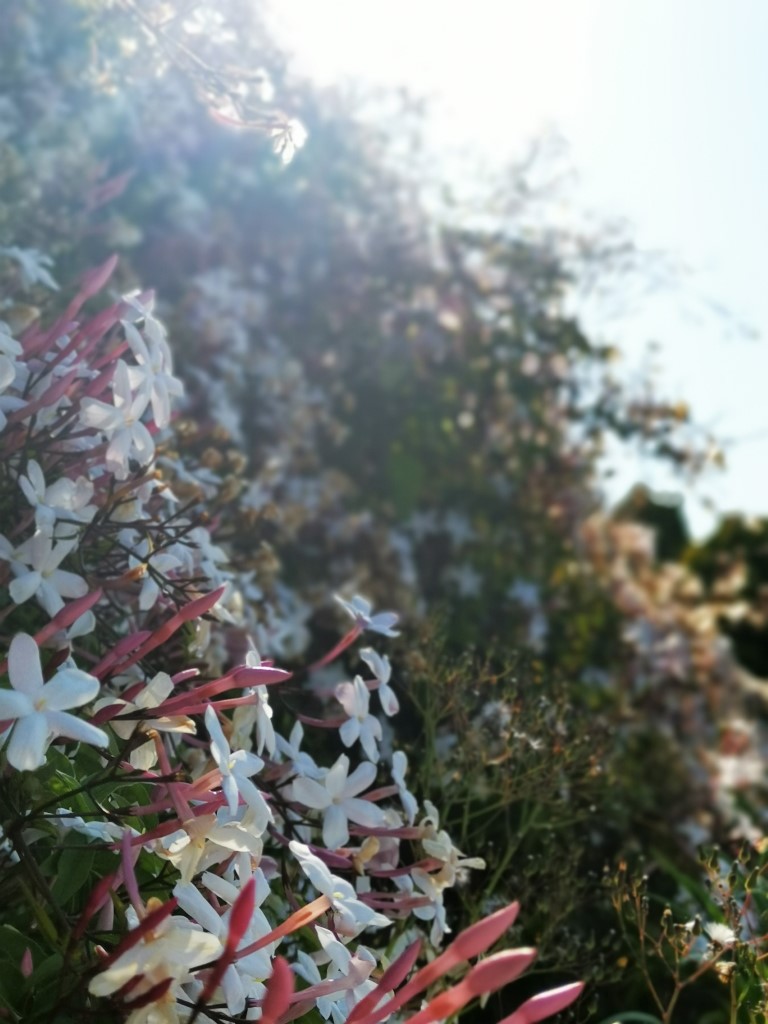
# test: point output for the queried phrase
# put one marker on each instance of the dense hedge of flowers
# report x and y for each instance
(175, 853)
(383, 394)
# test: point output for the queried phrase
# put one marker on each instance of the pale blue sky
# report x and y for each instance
(664, 105)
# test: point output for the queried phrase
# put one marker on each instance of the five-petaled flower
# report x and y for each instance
(236, 768)
(361, 725)
(360, 610)
(338, 797)
(39, 710)
(382, 670)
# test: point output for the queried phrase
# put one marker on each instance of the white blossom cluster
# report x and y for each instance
(270, 855)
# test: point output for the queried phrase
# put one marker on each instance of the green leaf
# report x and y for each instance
(74, 870)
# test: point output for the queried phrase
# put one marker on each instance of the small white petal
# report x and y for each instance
(361, 778)
(63, 724)
(336, 777)
(194, 904)
(14, 705)
(49, 598)
(363, 812)
(311, 793)
(29, 742)
(349, 731)
(335, 831)
(24, 669)
(231, 792)
(68, 584)
(23, 587)
(70, 688)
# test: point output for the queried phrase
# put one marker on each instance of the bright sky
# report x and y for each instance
(664, 105)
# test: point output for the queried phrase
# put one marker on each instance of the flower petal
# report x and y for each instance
(29, 742)
(349, 732)
(24, 669)
(70, 688)
(363, 812)
(335, 831)
(14, 705)
(311, 793)
(63, 724)
(24, 586)
(361, 778)
(336, 777)
(68, 584)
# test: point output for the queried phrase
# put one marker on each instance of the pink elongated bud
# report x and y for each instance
(108, 190)
(279, 991)
(205, 691)
(26, 963)
(194, 610)
(239, 920)
(394, 975)
(70, 613)
(545, 1004)
(478, 937)
(241, 914)
(184, 675)
(320, 723)
(121, 648)
(49, 397)
(200, 707)
(91, 282)
(97, 899)
(470, 943)
(348, 639)
(85, 341)
(128, 856)
(258, 675)
(487, 976)
(298, 919)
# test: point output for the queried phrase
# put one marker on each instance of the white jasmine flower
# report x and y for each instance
(64, 499)
(407, 799)
(162, 562)
(433, 911)
(302, 762)
(236, 768)
(258, 715)
(251, 970)
(355, 699)
(341, 964)
(35, 564)
(33, 266)
(121, 423)
(337, 796)
(351, 914)
(39, 710)
(209, 839)
(103, 831)
(153, 373)
(360, 610)
(438, 844)
(171, 950)
(158, 689)
(382, 670)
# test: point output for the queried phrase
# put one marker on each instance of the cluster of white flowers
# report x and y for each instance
(257, 840)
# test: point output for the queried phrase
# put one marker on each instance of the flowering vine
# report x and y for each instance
(184, 859)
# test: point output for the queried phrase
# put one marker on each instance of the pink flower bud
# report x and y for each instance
(26, 962)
